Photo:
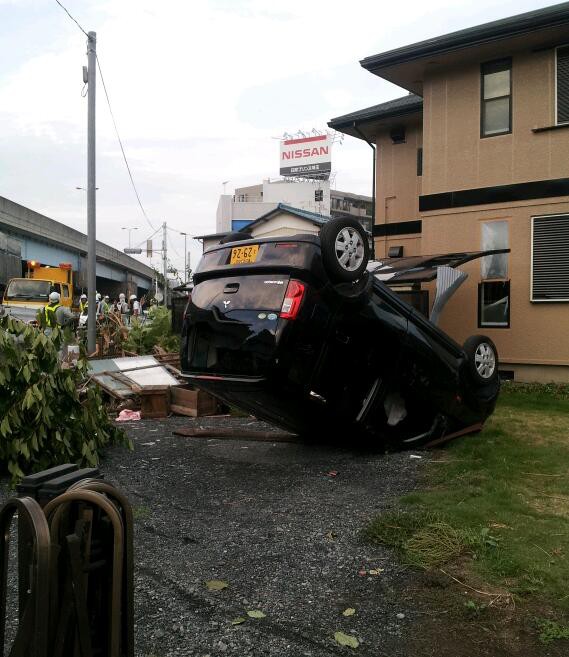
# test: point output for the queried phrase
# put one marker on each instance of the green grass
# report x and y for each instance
(551, 631)
(499, 500)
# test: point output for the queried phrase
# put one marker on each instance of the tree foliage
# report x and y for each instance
(157, 330)
(48, 415)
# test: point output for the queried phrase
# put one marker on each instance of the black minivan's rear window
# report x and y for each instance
(254, 292)
(293, 253)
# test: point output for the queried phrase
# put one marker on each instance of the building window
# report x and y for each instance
(494, 236)
(496, 98)
(318, 195)
(493, 294)
(550, 258)
(494, 304)
(562, 84)
(419, 161)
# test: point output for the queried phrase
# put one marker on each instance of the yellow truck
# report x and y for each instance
(23, 297)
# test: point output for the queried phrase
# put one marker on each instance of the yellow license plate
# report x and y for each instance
(244, 255)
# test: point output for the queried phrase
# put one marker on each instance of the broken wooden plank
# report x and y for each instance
(239, 434)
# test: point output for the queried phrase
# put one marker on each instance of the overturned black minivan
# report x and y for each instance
(303, 331)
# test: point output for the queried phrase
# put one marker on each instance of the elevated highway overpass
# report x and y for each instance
(50, 242)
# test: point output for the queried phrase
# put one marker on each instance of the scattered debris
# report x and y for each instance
(415, 456)
(238, 620)
(400, 616)
(238, 434)
(346, 640)
(154, 400)
(333, 473)
(194, 403)
(216, 585)
(256, 613)
(126, 415)
(348, 612)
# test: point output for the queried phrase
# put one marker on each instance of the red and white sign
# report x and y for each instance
(307, 157)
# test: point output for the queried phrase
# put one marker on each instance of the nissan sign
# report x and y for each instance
(307, 157)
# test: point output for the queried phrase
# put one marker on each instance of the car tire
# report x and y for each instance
(345, 249)
(482, 359)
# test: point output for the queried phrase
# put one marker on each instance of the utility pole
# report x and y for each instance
(185, 257)
(91, 200)
(165, 262)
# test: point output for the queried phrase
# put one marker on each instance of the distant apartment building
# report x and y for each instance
(235, 211)
(476, 156)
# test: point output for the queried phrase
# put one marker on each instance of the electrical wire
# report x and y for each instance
(149, 237)
(122, 148)
(173, 247)
(73, 19)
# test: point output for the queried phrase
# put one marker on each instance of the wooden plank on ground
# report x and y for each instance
(239, 434)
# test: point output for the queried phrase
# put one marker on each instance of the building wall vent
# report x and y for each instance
(550, 258)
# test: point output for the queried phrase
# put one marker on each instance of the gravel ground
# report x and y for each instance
(274, 522)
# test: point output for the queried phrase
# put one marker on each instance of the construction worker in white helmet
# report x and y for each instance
(134, 306)
(54, 314)
(123, 308)
(82, 303)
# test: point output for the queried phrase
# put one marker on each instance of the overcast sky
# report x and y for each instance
(200, 90)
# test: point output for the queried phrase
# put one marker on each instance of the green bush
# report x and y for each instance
(157, 330)
(48, 415)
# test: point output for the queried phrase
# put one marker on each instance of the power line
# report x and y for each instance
(174, 248)
(122, 148)
(149, 237)
(73, 19)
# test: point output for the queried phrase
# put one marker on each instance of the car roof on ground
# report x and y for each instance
(422, 269)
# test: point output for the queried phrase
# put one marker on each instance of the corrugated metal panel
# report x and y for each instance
(550, 274)
(563, 85)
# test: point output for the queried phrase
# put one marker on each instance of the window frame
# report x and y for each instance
(507, 60)
(533, 218)
(565, 45)
(480, 297)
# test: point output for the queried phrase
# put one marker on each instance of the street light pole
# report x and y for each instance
(130, 229)
(165, 262)
(91, 197)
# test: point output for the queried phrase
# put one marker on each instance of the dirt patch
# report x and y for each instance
(456, 622)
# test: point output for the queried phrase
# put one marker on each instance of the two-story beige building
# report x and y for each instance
(476, 156)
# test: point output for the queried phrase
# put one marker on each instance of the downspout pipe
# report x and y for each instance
(372, 146)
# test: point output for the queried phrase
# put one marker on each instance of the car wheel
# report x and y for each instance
(345, 249)
(482, 359)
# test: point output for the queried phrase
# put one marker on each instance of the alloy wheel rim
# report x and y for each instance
(485, 360)
(349, 248)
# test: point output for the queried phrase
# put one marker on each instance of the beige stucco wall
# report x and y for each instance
(411, 245)
(456, 157)
(397, 185)
(539, 332)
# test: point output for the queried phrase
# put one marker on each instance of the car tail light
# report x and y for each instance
(293, 298)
